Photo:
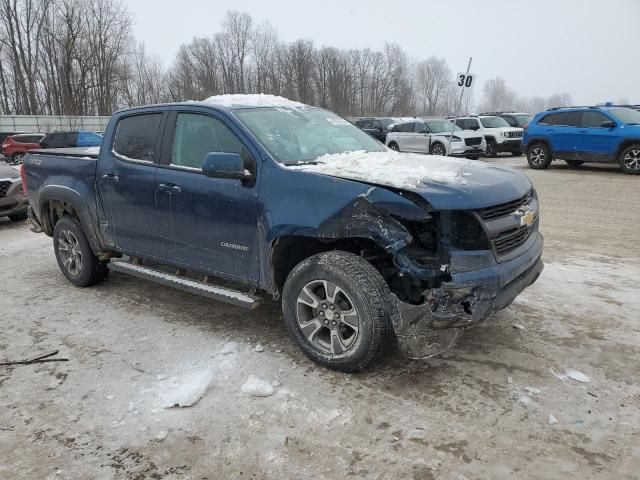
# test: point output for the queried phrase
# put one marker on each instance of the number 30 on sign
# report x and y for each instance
(465, 79)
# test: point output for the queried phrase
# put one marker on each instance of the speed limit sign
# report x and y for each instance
(465, 79)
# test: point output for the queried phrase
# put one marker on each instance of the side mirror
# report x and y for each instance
(609, 124)
(225, 165)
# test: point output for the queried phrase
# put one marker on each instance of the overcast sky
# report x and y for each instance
(588, 48)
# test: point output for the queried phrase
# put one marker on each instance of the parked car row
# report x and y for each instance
(16, 145)
(468, 136)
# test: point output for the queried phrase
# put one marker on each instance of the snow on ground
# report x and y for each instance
(401, 170)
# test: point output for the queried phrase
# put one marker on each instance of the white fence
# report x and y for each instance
(51, 123)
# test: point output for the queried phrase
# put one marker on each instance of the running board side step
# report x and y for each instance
(208, 290)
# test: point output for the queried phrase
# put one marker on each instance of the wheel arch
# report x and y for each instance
(625, 143)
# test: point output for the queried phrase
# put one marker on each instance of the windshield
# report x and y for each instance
(523, 119)
(493, 122)
(442, 126)
(386, 122)
(626, 115)
(294, 136)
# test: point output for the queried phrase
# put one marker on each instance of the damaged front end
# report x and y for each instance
(450, 270)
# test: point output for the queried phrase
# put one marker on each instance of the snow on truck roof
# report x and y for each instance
(252, 100)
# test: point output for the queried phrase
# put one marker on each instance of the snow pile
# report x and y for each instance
(253, 100)
(257, 387)
(391, 168)
(190, 389)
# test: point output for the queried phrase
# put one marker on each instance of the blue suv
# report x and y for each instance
(576, 135)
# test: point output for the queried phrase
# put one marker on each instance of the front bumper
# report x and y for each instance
(470, 297)
(13, 202)
(510, 146)
(459, 149)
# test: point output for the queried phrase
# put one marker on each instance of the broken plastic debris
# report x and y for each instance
(257, 387)
(190, 390)
(552, 419)
(572, 374)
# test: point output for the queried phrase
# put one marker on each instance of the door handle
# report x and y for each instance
(169, 188)
(110, 178)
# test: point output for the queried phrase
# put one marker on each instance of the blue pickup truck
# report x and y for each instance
(242, 196)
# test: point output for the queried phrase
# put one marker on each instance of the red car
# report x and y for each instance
(14, 147)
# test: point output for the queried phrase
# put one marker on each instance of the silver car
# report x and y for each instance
(432, 135)
(13, 202)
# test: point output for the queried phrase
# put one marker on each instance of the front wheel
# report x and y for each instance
(438, 149)
(492, 149)
(630, 160)
(337, 308)
(394, 146)
(538, 156)
(74, 255)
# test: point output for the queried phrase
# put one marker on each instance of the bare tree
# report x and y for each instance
(432, 79)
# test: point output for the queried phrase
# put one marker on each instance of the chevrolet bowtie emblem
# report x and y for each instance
(527, 218)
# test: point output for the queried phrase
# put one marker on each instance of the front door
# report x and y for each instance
(420, 138)
(126, 184)
(596, 141)
(207, 223)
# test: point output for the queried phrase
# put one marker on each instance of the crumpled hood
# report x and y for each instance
(446, 183)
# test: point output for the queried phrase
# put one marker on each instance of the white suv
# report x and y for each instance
(431, 135)
(499, 135)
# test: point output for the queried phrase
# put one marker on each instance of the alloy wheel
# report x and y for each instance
(70, 253)
(632, 160)
(537, 156)
(438, 149)
(327, 317)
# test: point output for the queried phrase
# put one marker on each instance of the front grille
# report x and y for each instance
(472, 141)
(513, 134)
(504, 209)
(4, 188)
(512, 239)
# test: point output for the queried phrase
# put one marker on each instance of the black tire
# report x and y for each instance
(19, 217)
(472, 157)
(394, 146)
(574, 163)
(17, 158)
(438, 149)
(630, 159)
(362, 285)
(538, 156)
(492, 148)
(89, 270)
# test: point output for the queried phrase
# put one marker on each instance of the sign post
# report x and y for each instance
(463, 80)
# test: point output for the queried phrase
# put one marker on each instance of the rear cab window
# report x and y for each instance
(136, 137)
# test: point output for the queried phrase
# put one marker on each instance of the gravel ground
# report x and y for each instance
(482, 410)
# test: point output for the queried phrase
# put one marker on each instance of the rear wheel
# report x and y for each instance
(630, 159)
(74, 255)
(438, 149)
(574, 163)
(337, 308)
(492, 149)
(394, 146)
(17, 158)
(538, 156)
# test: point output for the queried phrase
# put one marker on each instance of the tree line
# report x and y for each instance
(80, 57)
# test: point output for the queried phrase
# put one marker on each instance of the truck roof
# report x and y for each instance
(236, 101)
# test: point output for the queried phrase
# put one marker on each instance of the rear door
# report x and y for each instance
(562, 130)
(126, 183)
(596, 142)
(421, 138)
(207, 223)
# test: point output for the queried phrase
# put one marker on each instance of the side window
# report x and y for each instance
(593, 119)
(71, 140)
(567, 119)
(136, 136)
(462, 124)
(419, 127)
(548, 119)
(196, 135)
